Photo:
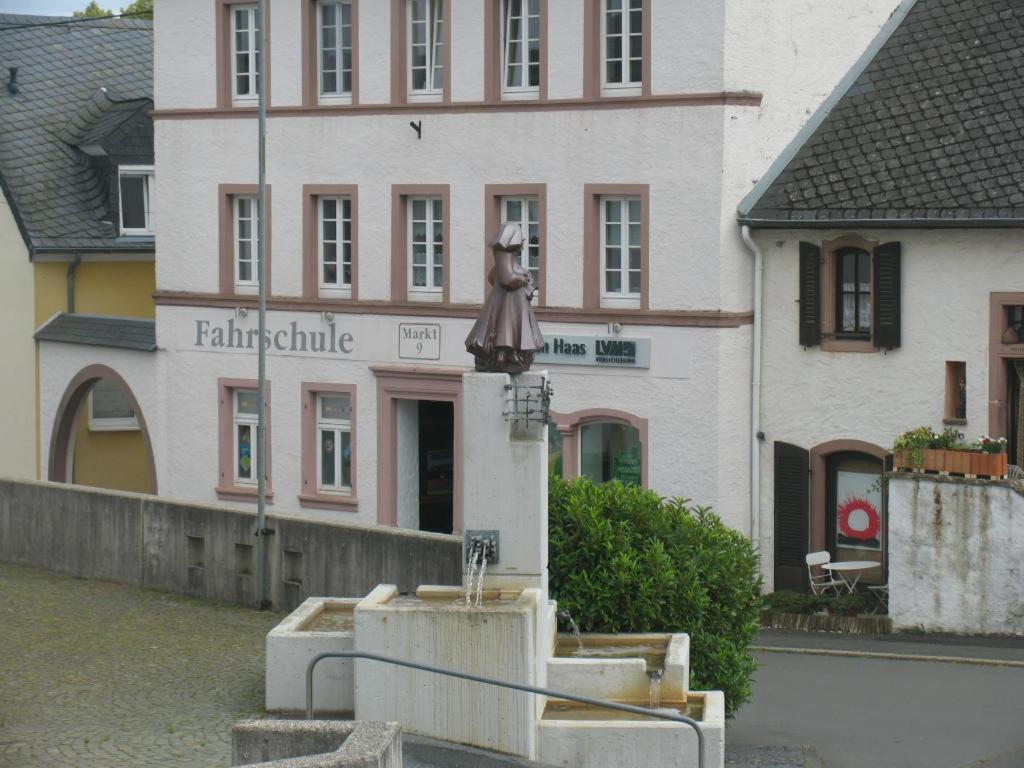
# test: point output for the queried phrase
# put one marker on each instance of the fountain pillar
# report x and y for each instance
(505, 476)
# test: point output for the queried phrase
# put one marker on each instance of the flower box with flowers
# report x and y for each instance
(924, 450)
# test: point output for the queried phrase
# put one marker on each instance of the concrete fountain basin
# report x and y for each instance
(319, 625)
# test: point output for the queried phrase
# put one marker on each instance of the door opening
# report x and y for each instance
(1013, 412)
(856, 521)
(426, 465)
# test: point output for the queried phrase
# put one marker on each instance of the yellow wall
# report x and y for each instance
(122, 288)
(17, 353)
(115, 460)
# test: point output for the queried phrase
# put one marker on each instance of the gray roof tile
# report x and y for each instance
(929, 131)
(100, 331)
(79, 83)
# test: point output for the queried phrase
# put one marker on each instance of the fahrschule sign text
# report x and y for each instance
(290, 339)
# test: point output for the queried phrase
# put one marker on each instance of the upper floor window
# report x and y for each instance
(245, 53)
(246, 238)
(334, 442)
(853, 292)
(335, 36)
(245, 418)
(335, 244)
(521, 38)
(621, 251)
(622, 36)
(135, 188)
(426, 248)
(525, 211)
(426, 48)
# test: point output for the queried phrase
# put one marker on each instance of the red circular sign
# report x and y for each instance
(858, 519)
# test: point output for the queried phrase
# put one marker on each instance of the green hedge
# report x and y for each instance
(623, 559)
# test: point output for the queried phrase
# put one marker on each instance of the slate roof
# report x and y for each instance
(930, 132)
(100, 331)
(79, 83)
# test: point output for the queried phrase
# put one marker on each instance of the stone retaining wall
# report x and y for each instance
(207, 551)
(956, 554)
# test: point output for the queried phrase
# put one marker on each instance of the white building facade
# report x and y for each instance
(620, 133)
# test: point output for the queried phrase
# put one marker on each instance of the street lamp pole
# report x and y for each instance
(262, 596)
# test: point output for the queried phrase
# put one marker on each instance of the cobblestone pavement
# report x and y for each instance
(101, 675)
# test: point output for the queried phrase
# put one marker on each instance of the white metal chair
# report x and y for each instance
(881, 593)
(824, 582)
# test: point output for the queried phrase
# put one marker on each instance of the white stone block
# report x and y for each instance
(597, 743)
(505, 481)
(498, 641)
(293, 643)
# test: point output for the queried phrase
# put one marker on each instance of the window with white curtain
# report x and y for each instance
(335, 49)
(426, 248)
(521, 47)
(426, 48)
(245, 53)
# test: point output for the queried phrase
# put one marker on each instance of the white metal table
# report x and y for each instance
(850, 571)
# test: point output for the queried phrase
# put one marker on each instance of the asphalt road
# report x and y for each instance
(884, 713)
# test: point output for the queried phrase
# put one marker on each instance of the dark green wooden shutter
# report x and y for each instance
(810, 294)
(792, 519)
(886, 299)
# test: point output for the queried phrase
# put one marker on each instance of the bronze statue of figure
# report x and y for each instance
(506, 335)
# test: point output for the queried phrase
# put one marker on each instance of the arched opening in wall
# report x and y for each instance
(100, 437)
(602, 444)
(849, 506)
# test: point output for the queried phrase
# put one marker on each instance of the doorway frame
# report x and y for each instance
(413, 382)
(998, 354)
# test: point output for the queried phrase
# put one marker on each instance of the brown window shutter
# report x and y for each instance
(886, 299)
(792, 516)
(810, 294)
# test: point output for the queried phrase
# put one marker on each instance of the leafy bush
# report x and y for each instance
(788, 601)
(850, 605)
(623, 559)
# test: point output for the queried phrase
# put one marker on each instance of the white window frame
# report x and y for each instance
(626, 86)
(338, 427)
(432, 291)
(524, 221)
(252, 75)
(111, 424)
(148, 197)
(434, 50)
(343, 245)
(624, 297)
(253, 240)
(245, 419)
(339, 95)
(524, 90)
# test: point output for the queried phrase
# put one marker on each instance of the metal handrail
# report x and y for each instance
(656, 714)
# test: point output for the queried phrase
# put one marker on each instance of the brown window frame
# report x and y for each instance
(593, 58)
(592, 240)
(222, 32)
(400, 194)
(226, 488)
(310, 496)
(311, 57)
(400, 59)
(311, 194)
(226, 194)
(831, 339)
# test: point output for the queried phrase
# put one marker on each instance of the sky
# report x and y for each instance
(47, 7)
